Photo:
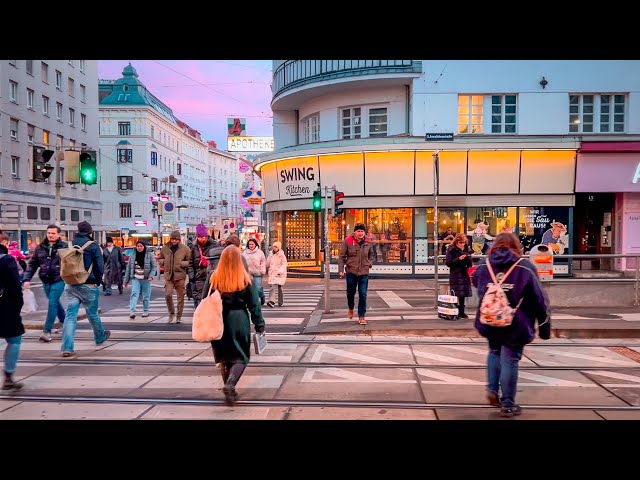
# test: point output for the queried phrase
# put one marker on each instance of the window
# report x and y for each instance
(58, 80)
(125, 155)
(351, 122)
(617, 102)
(72, 117)
(15, 166)
(154, 184)
(29, 99)
(45, 213)
(392, 228)
(81, 65)
(29, 66)
(311, 128)
(503, 114)
(87, 214)
(71, 85)
(63, 212)
(72, 143)
(13, 129)
(125, 183)
(75, 215)
(44, 72)
(83, 93)
(154, 159)
(45, 105)
(179, 191)
(45, 137)
(83, 122)
(179, 169)
(581, 113)
(59, 142)
(32, 213)
(470, 113)
(152, 131)
(124, 128)
(13, 92)
(30, 133)
(59, 111)
(378, 122)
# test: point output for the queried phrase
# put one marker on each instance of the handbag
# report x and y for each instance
(207, 319)
(448, 306)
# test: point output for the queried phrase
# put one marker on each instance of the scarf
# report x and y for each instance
(140, 257)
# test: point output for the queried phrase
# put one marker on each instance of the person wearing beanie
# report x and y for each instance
(175, 257)
(141, 268)
(356, 257)
(86, 295)
(114, 266)
(277, 269)
(204, 251)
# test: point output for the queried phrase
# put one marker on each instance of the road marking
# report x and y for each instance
(322, 349)
(445, 378)
(392, 299)
(284, 320)
(620, 376)
(344, 376)
(345, 319)
(582, 356)
(178, 382)
(546, 381)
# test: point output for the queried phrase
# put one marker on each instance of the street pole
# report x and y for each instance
(59, 179)
(327, 254)
(435, 222)
(159, 214)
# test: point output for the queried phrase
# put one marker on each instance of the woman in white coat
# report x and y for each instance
(277, 269)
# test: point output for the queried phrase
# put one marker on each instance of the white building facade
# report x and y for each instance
(53, 104)
(148, 152)
(518, 144)
(224, 199)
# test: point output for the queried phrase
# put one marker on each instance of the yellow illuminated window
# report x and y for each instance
(470, 115)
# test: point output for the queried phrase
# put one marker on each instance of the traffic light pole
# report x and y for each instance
(436, 171)
(56, 214)
(327, 254)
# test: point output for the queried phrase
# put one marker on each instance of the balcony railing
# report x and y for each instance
(293, 73)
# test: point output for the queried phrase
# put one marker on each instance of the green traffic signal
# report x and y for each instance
(88, 168)
(317, 201)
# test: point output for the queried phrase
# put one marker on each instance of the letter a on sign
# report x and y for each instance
(236, 128)
(637, 174)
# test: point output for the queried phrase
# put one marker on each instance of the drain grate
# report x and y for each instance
(627, 352)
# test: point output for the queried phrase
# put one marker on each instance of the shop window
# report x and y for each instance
(275, 228)
(300, 236)
(495, 219)
(544, 225)
(391, 229)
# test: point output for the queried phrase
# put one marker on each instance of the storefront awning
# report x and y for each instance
(588, 147)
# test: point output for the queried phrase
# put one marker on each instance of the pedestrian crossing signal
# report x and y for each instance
(317, 201)
(88, 168)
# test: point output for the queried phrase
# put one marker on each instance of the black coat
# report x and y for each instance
(46, 258)
(459, 280)
(10, 297)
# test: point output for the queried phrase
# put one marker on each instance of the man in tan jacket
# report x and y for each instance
(175, 257)
(356, 253)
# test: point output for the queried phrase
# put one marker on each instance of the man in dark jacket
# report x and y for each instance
(175, 256)
(46, 258)
(87, 294)
(114, 266)
(356, 256)
(11, 328)
(202, 252)
(506, 344)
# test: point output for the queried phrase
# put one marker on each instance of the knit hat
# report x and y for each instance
(109, 239)
(175, 234)
(201, 231)
(359, 226)
(85, 227)
(278, 244)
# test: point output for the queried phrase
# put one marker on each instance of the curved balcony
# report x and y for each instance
(295, 73)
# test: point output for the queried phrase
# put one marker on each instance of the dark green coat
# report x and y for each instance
(235, 344)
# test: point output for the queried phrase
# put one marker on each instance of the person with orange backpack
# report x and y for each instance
(512, 300)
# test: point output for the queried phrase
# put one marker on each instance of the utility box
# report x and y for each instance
(542, 257)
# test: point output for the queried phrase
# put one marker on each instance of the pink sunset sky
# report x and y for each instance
(204, 93)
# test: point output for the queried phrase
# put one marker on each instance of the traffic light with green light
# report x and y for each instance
(317, 201)
(88, 167)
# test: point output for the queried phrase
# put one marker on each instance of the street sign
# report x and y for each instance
(140, 223)
(438, 137)
(254, 201)
(168, 207)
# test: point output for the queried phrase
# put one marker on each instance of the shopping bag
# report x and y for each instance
(30, 304)
(448, 307)
(259, 342)
(207, 319)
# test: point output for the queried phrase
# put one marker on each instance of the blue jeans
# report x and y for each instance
(53, 291)
(257, 281)
(362, 283)
(140, 287)
(502, 371)
(88, 296)
(11, 354)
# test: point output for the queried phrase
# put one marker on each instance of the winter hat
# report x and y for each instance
(175, 234)
(109, 239)
(278, 244)
(201, 231)
(85, 227)
(359, 226)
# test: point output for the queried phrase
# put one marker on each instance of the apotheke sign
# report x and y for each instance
(250, 144)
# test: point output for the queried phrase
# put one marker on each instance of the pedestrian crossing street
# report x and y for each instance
(298, 306)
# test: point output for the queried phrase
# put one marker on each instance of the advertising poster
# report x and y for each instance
(545, 226)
